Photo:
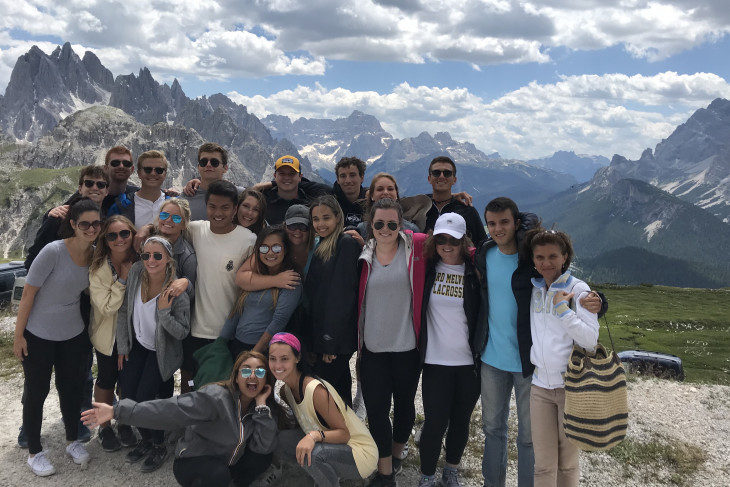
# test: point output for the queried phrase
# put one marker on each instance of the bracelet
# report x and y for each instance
(322, 434)
(263, 409)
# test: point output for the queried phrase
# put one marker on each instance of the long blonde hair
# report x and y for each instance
(328, 245)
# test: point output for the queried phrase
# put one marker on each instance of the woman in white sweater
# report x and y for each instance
(557, 321)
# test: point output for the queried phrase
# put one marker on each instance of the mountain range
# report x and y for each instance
(61, 111)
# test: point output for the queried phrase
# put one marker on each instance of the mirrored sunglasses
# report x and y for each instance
(379, 224)
(213, 162)
(165, 215)
(86, 225)
(112, 236)
(117, 162)
(147, 255)
(99, 184)
(276, 248)
(246, 372)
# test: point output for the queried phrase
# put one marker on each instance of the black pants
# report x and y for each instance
(449, 396)
(236, 346)
(385, 376)
(338, 374)
(140, 380)
(209, 471)
(69, 359)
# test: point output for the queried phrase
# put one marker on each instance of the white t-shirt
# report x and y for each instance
(448, 331)
(145, 210)
(219, 257)
(145, 320)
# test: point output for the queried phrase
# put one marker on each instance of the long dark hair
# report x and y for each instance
(383, 204)
(260, 223)
(77, 209)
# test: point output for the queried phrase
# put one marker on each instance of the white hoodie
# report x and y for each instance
(555, 328)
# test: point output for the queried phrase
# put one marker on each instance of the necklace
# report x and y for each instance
(441, 202)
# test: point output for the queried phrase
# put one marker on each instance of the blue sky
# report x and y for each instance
(523, 78)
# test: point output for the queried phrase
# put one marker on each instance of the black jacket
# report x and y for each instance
(474, 225)
(471, 307)
(353, 212)
(331, 292)
(276, 206)
(522, 290)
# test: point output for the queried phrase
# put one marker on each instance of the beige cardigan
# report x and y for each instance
(107, 295)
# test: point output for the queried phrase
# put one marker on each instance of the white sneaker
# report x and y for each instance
(40, 465)
(77, 451)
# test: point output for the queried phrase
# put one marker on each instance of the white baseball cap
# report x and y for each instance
(451, 224)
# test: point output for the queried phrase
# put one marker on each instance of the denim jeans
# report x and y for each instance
(496, 392)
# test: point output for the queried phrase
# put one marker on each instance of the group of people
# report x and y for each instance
(294, 279)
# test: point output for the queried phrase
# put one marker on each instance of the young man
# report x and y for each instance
(287, 191)
(221, 246)
(119, 166)
(212, 165)
(142, 206)
(504, 340)
(442, 177)
(348, 189)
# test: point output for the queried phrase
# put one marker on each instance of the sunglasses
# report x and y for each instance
(117, 162)
(99, 184)
(147, 255)
(438, 172)
(175, 218)
(158, 170)
(443, 239)
(247, 371)
(213, 162)
(297, 227)
(86, 225)
(112, 236)
(379, 224)
(276, 248)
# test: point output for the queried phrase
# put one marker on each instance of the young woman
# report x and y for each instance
(390, 299)
(259, 315)
(554, 327)
(50, 333)
(382, 186)
(113, 258)
(150, 330)
(251, 210)
(450, 384)
(229, 429)
(330, 290)
(331, 443)
(172, 223)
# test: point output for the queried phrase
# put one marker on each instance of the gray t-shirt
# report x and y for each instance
(388, 323)
(56, 313)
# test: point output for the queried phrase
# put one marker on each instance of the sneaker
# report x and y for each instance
(40, 465)
(139, 452)
(450, 477)
(22, 439)
(77, 452)
(269, 477)
(126, 435)
(84, 433)
(427, 481)
(154, 459)
(404, 453)
(381, 480)
(108, 439)
(397, 465)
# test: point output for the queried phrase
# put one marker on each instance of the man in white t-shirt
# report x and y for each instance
(142, 206)
(221, 247)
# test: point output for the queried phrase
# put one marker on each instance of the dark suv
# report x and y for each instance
(8, 272)
(662, 365)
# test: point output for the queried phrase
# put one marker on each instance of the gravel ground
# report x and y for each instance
(670, 423)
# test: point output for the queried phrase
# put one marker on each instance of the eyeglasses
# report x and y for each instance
(112, 236)
(117, 162)
(99, 184)
(443, 239)
(213, 162)
(297, 227)
(438, 172)
(276, 248)
(147, 255)
(379, 224)
(86, 225)
(247, 371)
(158, 170)
(165, 215)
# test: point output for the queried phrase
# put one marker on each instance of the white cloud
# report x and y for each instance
(600, 115)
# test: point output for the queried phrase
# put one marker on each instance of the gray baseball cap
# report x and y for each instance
(297, 214)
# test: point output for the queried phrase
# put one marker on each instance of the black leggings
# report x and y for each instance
(449, 396)
(210, 471)
(69, 358)
(338, 374)
(390, 377)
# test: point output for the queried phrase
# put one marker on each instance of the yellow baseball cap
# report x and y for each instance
(290, 161)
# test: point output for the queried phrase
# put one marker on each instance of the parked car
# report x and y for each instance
(652, 363)
(8, 273)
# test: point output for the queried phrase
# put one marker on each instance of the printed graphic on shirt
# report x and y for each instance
(450, 285)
